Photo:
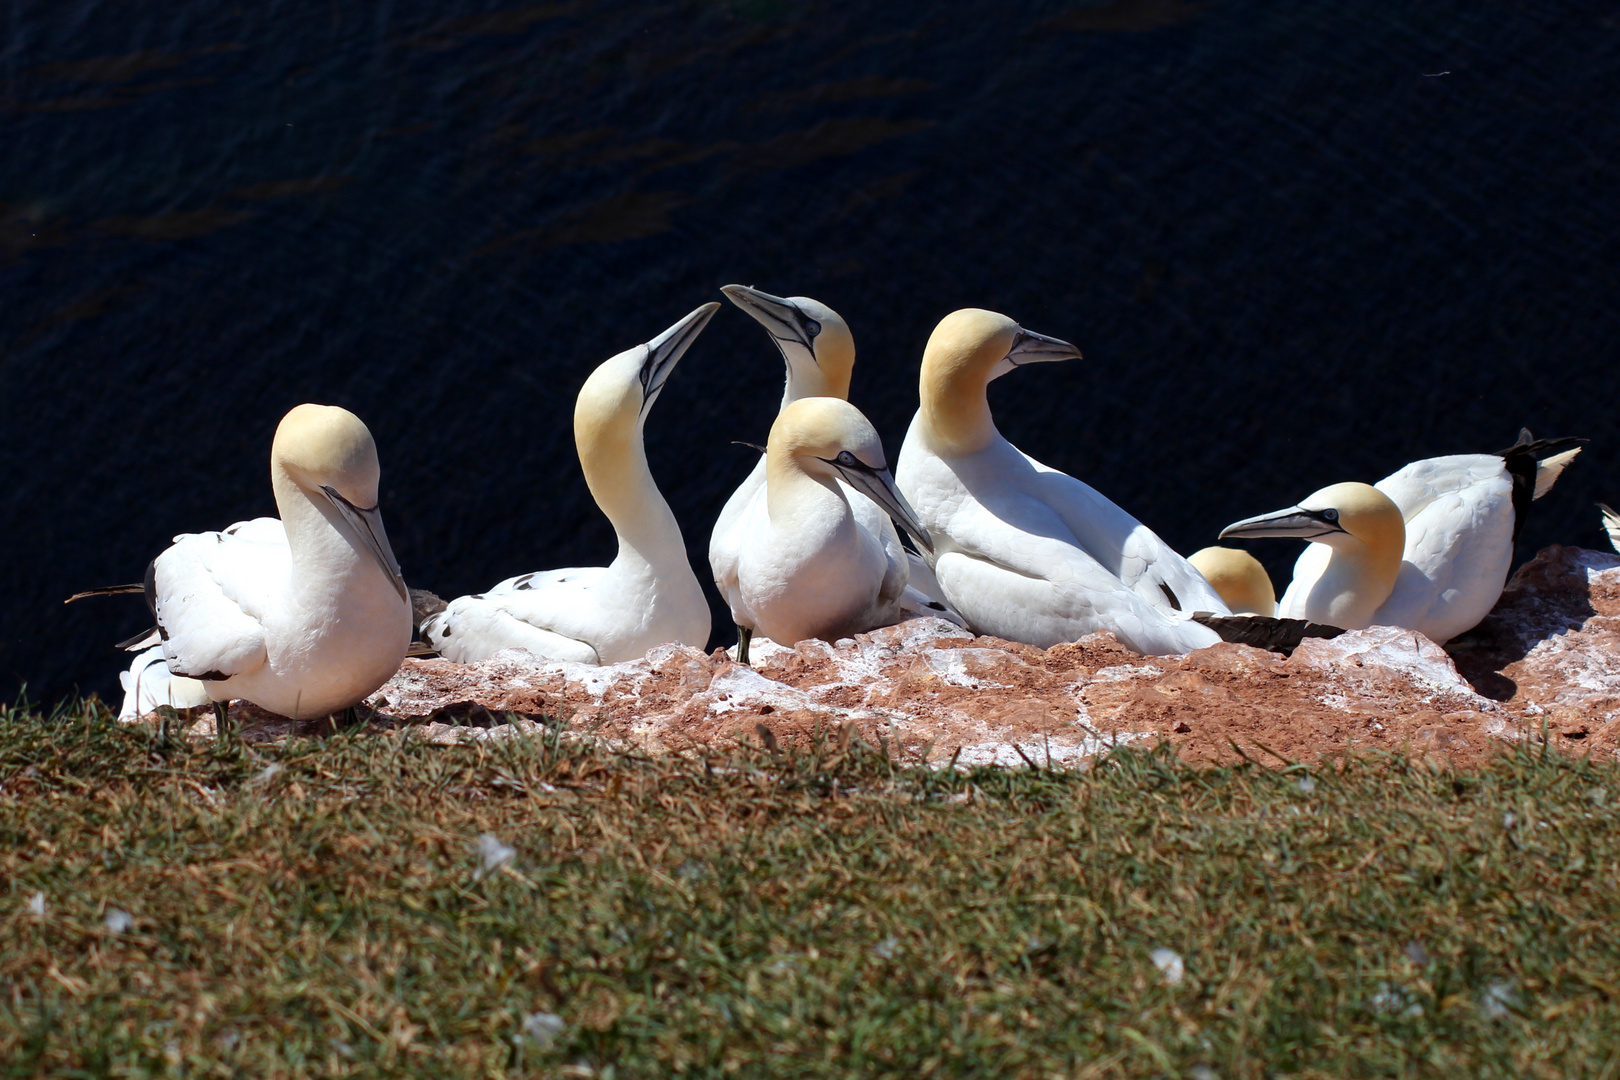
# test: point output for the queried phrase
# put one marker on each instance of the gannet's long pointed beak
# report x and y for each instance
(1295, 522)
(1029, 347)
(666, 350)
(781, 318)
(878, 485)
(367, 524)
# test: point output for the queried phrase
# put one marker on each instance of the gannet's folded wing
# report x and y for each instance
(543, 613)
(1124, 546)
(213, 592)
(1028, 585)
(1459, 543)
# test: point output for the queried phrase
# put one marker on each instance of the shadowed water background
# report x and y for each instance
(1297, 244)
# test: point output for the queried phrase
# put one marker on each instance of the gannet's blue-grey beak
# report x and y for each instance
(368, 529)
(666, 350)
(1296, 522)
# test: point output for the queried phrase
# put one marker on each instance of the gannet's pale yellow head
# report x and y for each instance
(618, 394)
(966, 350)
(1339, 515)
(1239, 578)
(828, 437)
(814, 340)
(327, 446)
(328, 452)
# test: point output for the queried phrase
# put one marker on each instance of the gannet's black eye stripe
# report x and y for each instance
(847, 460)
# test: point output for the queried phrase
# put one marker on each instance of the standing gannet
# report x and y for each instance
(649, 595)
(819, 351)
(1427, 548)
(303, 616)
(1611, 525)
(1240, 579)
(808, 566)
(1023, 551)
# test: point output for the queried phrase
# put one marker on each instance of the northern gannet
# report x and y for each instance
(304, 615)
(807, 565)
(649, 595)
(148, 684)
(1023, 551)
(1427, 548)
(1240, 579)
(819, 351)
(1611, 525)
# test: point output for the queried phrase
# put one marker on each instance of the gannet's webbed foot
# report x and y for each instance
(744, 636)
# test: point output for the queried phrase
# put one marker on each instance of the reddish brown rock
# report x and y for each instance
(1549, 656)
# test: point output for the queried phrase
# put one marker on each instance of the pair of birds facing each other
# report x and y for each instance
(1428, 547)
(805, 547)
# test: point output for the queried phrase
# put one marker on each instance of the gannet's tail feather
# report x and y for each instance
(1549, 469)
(1534, 465)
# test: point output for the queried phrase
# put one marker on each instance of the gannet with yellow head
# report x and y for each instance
(808, 566)
(1023, 551)
(306, 615)
(649, 595)
(819, 352)
(1240, 579)
(1427, 548)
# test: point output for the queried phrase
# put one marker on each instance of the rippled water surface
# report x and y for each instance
(1298, 243)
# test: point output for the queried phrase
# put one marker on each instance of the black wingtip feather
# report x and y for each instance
(1263, 632)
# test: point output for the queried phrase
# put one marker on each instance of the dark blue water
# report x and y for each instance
(1298, 243)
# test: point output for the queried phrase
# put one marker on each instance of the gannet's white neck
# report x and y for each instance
(616, 471)
(324, 472)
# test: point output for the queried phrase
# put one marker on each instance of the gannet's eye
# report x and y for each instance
(1330, 515)
(848, 459)
(812, 327)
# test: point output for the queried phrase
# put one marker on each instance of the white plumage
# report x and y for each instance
(808, 566)
(1023, 551)
(305, 615)
(1611, 525)
(819, 352)
(149, 684)
(1430, 551)
(649, 595)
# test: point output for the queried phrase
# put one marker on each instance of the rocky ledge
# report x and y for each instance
(1546, 663)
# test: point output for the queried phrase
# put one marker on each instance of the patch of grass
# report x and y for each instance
(323, 908)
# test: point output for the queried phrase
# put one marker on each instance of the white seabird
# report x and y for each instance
(1427, 548)
(807, 565)
(149, 684)
(1023, 551)
(1611, 525)
(303, 616)
(649, 595)
(819, 352)
(1240, 579)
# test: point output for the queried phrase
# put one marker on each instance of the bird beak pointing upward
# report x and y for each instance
(666, 350)
(781, 318)
(878, 485)
(368, 527)
(1295, 522)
